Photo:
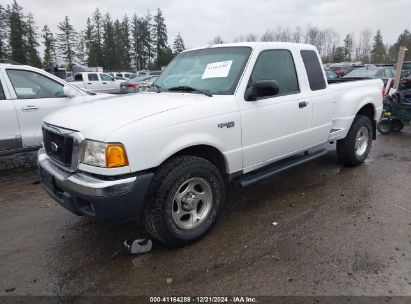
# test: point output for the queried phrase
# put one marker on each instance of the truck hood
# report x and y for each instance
(97, 119)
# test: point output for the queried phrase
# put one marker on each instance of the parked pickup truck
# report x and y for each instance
(224, 113)
(98, 82)
(27, 95)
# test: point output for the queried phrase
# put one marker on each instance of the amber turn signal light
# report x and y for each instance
(116, 156)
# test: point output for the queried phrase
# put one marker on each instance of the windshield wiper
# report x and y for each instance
(190, 89)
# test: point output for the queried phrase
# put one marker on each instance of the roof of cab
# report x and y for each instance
(260, 45)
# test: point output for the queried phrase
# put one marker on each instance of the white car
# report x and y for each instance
(97, 82)
(125, 75)
(222, 113)
(27, 94)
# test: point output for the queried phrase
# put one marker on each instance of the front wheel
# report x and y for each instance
(355, 147)
(184, 200)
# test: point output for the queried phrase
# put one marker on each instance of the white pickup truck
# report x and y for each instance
(98, 82)
(27, 95)
(222, 113)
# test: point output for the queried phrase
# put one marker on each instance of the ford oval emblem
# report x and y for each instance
(54, 147)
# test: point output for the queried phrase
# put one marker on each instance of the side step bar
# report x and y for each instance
(267, 173)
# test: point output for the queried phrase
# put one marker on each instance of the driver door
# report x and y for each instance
(275, 126)
(34, 96)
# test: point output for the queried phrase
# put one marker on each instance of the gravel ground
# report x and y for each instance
(340, 231)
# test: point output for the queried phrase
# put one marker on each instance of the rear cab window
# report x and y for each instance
(314, 70)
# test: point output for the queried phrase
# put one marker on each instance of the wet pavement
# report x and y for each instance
(340, 231)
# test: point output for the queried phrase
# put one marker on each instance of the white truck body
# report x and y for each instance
(97, 82)
(27, 95)
(264, 131)
(244, 133)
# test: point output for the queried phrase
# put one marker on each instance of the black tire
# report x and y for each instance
(397, 125)
(160, 201)
(384, 127)
(346, 149)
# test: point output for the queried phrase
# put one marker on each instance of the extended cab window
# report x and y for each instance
(314, 70)
(277, 65)
(105, 77)
(92, 77)
(32, 85)
(2, 95)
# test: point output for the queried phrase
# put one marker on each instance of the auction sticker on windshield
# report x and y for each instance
(217, 69)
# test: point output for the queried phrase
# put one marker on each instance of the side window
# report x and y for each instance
(92, 77)
(314, 70)
(2, 95)
(105, 77)
(78, 77)
(32, 85)
(389, 73)
(277, 65)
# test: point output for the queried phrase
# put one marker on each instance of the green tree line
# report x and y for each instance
(134, 43)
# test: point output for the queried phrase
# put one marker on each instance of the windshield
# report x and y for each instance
(215, 70)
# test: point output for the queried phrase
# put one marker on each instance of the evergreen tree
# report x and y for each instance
(178, 44)
(348, 47)
(378, 52)
(137, 46)
(109, 46)
(90, 44)
(339, 54)
(17, 34)
(160, 39)
(66, 41)
(404, 39)
(142, 40)
(3, 32)
(147, 39)
(125, 43)
(49, 48)
(97, 38)
(119, 45)
(33, 57)
(81, 49)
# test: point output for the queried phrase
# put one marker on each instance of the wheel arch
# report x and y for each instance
(369, 111)
(208, 152)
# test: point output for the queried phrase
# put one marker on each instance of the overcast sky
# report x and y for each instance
(200, 21)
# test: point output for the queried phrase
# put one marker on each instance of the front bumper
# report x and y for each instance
(83, 194)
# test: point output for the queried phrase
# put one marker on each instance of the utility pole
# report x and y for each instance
(401, 55)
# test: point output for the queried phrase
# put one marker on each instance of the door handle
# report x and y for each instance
(30, 108)
(89, 83)
(302, 104)
(104, 82)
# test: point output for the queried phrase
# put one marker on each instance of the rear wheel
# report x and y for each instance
(355, 147)
(184, 200)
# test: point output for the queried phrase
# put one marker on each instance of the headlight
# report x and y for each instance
(104, 155)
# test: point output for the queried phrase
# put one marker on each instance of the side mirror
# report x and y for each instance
(69, 92)
(262, 88)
